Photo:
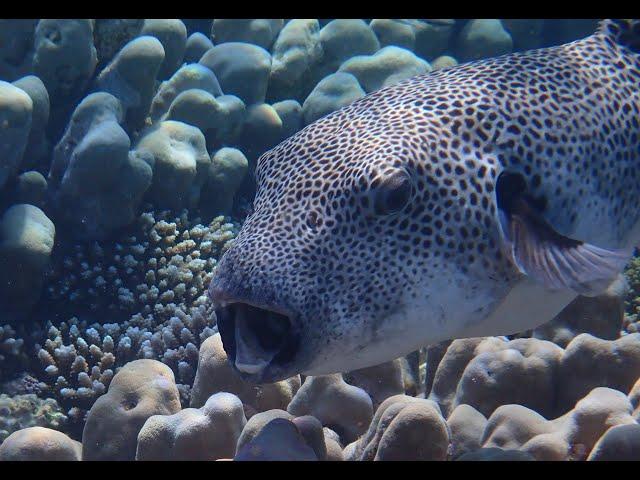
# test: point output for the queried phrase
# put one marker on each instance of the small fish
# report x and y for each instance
(471, 201)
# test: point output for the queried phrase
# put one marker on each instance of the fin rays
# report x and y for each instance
(582, 267)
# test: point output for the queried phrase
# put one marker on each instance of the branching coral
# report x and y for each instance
(163, 264)
(148, 292)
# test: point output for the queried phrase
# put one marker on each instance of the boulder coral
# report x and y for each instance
(40, 444)
(214, 374)
(141, 389)
(387, 66)
(131, 77)
(187, 77)
(64, 58)
(27, 238)
(296, 53)
(404, 428)
(95, 184)
(568, 437)
(172, 34)
(331, 93)
(37, 148)
(177, 155)
(208, 433)
(344, 408)
(242, 69)
(122, 144)
(16, 111)
(258, 31)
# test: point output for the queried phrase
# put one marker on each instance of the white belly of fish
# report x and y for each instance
(451, 309)
(527, 305)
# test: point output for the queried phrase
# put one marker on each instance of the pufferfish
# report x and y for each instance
(475, 200)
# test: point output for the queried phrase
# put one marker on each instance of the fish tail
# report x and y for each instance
(625, 32)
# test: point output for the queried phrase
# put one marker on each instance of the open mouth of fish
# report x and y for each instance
(258, 340)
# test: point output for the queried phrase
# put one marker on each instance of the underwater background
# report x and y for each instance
(127, 157)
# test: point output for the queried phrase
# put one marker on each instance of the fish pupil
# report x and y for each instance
(392, 194)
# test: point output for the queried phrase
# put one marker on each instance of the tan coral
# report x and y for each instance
(208, 433)
(142, 388)
(404, 428)
(39, 444)
(214, 374)
(342, 407)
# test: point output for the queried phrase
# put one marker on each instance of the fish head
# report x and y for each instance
(360, 248)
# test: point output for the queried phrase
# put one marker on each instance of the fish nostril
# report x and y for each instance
(314, 220)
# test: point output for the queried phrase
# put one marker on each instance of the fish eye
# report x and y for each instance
(391, 193)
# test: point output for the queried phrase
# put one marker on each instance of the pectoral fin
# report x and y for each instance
(556, 261)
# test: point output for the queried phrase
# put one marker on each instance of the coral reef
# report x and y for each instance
(141, 389)
(214, 375)
(27, 237)
(96, 185)
(16, 111)
(161, 264)
(149, 292)
(242, 69)
(131, 77)
(107, 335)
(403, 428)
(259, 31)
(208, 433)
(40, 444)
(344, 408)
(24, 411)
(177, 155)
(277, 440)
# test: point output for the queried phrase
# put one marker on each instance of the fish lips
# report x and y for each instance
(262, 342)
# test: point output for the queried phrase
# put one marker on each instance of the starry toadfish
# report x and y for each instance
(475, 200)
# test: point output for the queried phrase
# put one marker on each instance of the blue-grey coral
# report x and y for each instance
(172, 33)
(259, 31)
(342, 39)
(65, 58)
(131, 77)
(241, 68)
(16, 109)
(16, 47)
(96, 185)
(387, 66)
(27, 237)
(197, 45)
(111, 34)
(192, 76)
(331, 93)
(296, 53)
(138, 292)
(177, 154)
(37, 149)
(485, 37)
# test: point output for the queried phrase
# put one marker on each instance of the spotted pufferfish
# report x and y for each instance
(475, 200)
